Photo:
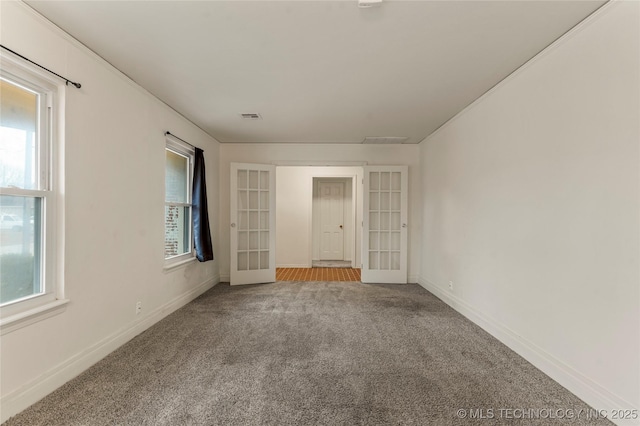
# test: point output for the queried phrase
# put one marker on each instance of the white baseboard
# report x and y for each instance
(294, 265)
(32, 392)
(583, 387)
(225, 278)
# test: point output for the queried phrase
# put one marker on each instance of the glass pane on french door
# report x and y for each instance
(253, 223)
(385, 222)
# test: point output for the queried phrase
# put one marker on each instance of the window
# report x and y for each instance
(27, 190)
(178, 239)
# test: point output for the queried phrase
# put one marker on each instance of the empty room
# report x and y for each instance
(374, 212)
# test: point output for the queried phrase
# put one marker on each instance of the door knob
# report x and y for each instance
(340, 226)
(233, 225)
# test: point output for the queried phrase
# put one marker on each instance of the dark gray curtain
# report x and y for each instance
(201, 231)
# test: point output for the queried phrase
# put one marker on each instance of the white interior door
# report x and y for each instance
(331, 220)
(384, 248)
(253, 219)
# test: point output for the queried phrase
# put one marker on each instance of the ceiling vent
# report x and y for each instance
(251, 116)
(383, 140)
(365, 4)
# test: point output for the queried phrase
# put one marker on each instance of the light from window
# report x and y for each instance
(25, 190)
(178, 242)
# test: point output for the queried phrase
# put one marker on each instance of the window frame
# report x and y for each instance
(20, 312)
(178, 147)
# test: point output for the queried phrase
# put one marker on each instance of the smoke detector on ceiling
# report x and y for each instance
(365, 4)
(383, 140)
(251, 116)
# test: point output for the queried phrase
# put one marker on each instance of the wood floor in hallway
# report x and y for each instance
(317, 274)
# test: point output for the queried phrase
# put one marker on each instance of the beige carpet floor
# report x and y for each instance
(318, 353)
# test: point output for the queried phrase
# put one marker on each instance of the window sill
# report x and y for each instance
(177, 264)
(31, 316)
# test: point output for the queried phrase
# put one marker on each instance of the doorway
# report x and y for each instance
(298, 207)
(379, 237)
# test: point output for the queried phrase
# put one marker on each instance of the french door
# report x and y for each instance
(384, 245)
(253, 219)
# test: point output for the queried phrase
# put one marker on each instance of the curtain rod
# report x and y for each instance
(78, 85)
(171, 134)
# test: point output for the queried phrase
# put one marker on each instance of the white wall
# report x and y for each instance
(294, 213)
(114, 225)
(531, 208)
(322, 154)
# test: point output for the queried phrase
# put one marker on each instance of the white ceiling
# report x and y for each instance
(316, 71)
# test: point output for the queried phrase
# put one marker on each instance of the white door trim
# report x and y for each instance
(354, 213)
